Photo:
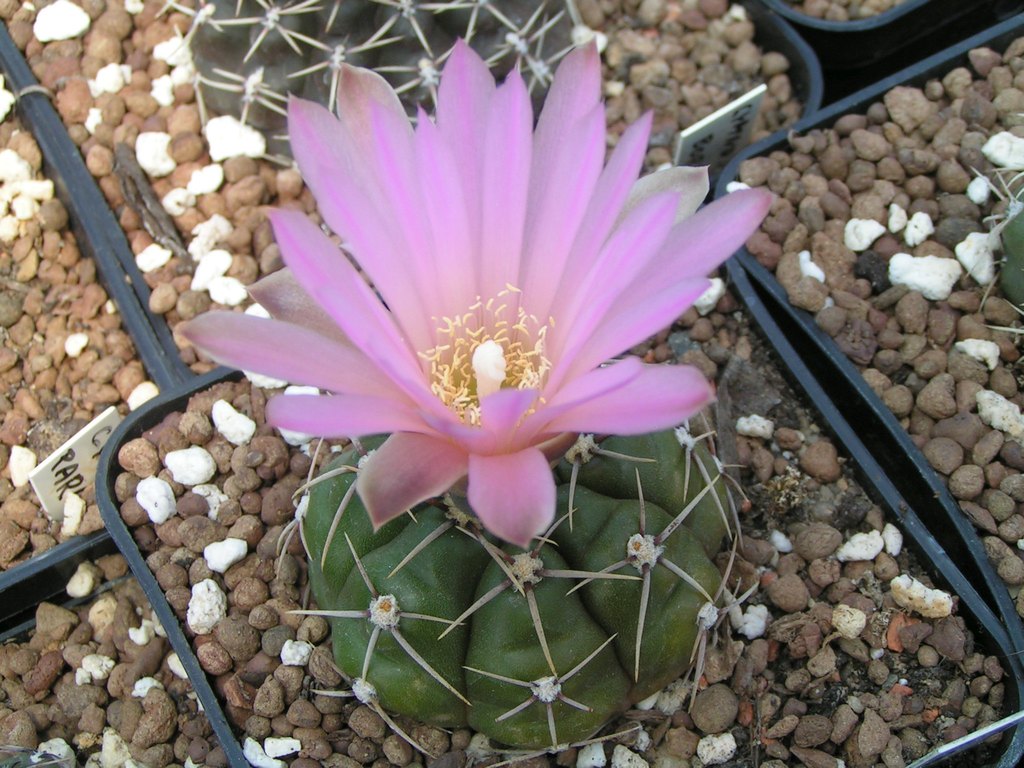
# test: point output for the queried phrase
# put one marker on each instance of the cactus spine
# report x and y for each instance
(433, 619)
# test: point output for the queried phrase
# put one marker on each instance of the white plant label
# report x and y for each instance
(715, 139)
(72, 466)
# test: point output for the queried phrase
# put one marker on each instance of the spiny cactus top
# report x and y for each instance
(510, 264)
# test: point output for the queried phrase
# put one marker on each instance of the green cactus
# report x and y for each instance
(249, 54)
(1011, 276)
(436, 620)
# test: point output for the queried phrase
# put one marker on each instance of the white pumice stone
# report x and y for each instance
(897, 218)
(848, 621)
(156, 497)
(893, 538)
(9, 229)
(228, 291)
(144, 685)
(13, 167)
(206, 607)
(751, 623)
(257, 758)
(177, 201)
(6, 100)
(115, 750)
(84, 580)
(235, 427)
(808, 268)
(205, 180)
(706, 302)
(142, 634)
(175, 51)
(976, 254)
(915, 596)
(207, 234)
(755, 425)
(62, 20)
(982, 350)
(781, 542)
(157, 626)
(295, 653)
(623, 757)
(221, 555)
(859, 234)
(152, 257)
(58, 748)
(110, 78)
(918, 229)
(861, 546)
(162, 90)
(736, 186)
(102, 612)
(183, 74)
(177, 668)
(979, 190)
(999, 413)
(716, 748)
(591, 756)
(279, 746)
(214, 498)
(75, 343)
(191, 466)
(643, 741)
(228, 137)
(152, 150)
(24, 208)
(1005, 151)
(74, 511)
(143, 392)
(933, 276)
(21, 462)
(39, 190)
(212, 264)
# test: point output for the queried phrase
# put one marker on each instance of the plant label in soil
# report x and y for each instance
(72, 466)
(715, 139)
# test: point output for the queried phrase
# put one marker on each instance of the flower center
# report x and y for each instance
(495, 344)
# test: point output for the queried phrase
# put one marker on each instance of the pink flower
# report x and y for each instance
(512, 263)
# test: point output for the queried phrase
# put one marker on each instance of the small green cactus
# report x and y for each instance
(1011, 276)
(434, 619)
(249, 54)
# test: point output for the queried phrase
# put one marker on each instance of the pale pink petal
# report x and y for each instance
(507, 153)
(463, 104)
(501, 412)
(406, 470)
(328, 277)
(288, 352)
(445, 208)
(360, 92)
(562, 179)
(659, 397)
(574, 92)
(342, 415)
(513, 494)
(610, 194)
(281, 295)
(691, 183)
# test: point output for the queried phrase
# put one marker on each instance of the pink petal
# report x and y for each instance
(506, 184)
(500, 414)
(406, 470)
(360, 91)
(281, 295)
(463, 104)
(342, 415)
(288, 352)
(513, 494)
(659, 397)
(691, 183)
(328, 277)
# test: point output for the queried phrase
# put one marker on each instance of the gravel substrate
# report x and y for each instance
(99, 678)
(826, 661)
(64, 357)
(946, 366)
(683, 60)
(843, 10)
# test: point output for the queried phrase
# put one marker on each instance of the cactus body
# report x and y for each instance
(533, 662)
(1011, 277)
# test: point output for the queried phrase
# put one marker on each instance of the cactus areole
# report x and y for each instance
(437, 620)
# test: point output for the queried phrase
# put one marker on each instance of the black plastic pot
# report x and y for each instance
(941, 560)
(100, 238)
(892, 450)
(856, 53)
